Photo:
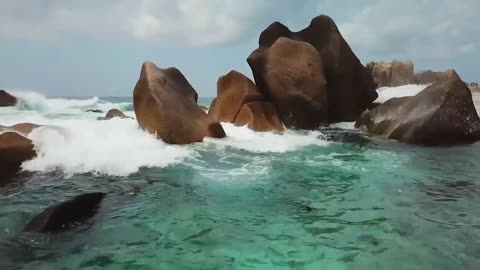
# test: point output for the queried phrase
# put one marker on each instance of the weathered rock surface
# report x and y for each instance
(166, 105)
(442, 114)
(349, 85)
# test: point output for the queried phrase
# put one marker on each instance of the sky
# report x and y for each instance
(96, 48)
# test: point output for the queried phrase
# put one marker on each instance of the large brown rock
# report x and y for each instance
(14, 150)
(7, 100)
(114, 113)
(233, 91)
(350, 86)
(396, 73)
(429, 77)
(166, 105)
(259, 116)
(291, 74)
(442, 114)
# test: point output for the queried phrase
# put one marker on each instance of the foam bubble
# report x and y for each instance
(264, 142)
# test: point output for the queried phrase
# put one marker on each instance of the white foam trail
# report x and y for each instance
(115, 147)
(386, 93)
(264, 142)
(33, 101)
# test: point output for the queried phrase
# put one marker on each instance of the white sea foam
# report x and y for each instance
(33, 101)
(386, 93)
(264, 142)
(115, 147)
(118, 147)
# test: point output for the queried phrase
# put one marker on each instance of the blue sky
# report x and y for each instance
(96, 48)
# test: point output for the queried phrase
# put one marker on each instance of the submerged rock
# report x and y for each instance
(166, 105)
(349, 85)
(14, 150)
(6, 99)
(24, 128)
(442, 114)
(114, 113)
(94, 111)
(66, 215)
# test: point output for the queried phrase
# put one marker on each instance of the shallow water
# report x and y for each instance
(332, 199)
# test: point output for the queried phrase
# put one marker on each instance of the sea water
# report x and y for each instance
(328, 199)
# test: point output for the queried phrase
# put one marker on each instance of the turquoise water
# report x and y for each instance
(352, 202)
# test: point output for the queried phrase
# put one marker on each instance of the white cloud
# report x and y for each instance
(188, 22)
(418, 29)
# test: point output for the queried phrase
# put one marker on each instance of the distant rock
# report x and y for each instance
(166, 105)
(396, 73)
(66, 215)
(14, 150)
(442, 114)
(429, 77)
(350, 87)
(474, 87)
(94, 111)
(114, 113)
(7, 100)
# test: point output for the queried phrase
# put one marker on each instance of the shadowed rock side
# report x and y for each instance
(66, 215)
(442, 114)
(233, 90)
(396, 73)
(114, 113)
(7, 100)
(350, 85)
(166, 105)
(14, 150)
(291, 74)
(259, 116)
(429, 77)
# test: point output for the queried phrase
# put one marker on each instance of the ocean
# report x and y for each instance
(329, 199)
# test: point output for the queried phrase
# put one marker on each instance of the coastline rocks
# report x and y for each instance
(66, 215)
(114, 113)
(429, 77)
(259, 116)
(291, 73)
(14, 150)
(350, 86)
(442, 114)
(396, 73)
(166, 105)
(233, 91)
(7, 100)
